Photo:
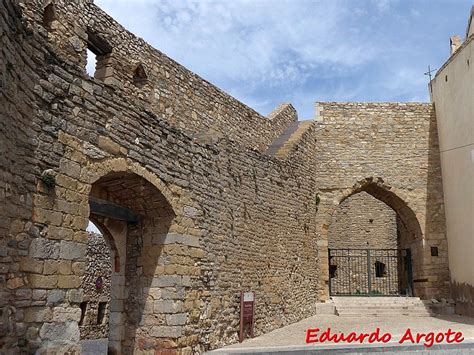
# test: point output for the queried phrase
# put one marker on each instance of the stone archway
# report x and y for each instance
(138, 218)
(409, 226)
(158, 249)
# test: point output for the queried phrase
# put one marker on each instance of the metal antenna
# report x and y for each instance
(429, 72)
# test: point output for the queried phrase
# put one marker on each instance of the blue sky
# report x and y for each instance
(267, 52)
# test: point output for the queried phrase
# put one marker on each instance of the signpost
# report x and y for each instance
(247, 313)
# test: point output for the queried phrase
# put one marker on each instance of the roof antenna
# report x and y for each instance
(429, 72)
(429, 75)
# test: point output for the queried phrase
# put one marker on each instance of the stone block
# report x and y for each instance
(42, 248)
(186, 280)
(75, 296)
(69, 281)
(72, 250)
(55, 297)
(176, 319)
(60, 331)
(166, 281)
(78, 268)
(172, 293)
(37, 314)
(40, 294)
(65, 314)
(23, 294)
(167, 306)
(325, 308)
(60, 233)
(48, 217)
(108, 145)
(43, 281)
(15, 282)
(166, 331)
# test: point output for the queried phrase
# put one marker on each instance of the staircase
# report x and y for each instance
(380, 306)
(286, 141)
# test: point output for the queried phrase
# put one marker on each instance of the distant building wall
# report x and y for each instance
(94, 323)
(453, 96)
(361, 222)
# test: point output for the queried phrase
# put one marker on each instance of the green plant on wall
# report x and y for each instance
(48, 179)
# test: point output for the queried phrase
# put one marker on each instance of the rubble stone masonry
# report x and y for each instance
(209, 214)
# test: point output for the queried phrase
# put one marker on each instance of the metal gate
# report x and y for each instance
(370, 272)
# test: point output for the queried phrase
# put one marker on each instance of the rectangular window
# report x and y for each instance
(101, 312)
(83, 307)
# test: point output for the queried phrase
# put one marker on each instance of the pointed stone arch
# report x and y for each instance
(94, 171)
(395, 198)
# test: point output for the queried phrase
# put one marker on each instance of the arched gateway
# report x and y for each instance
(382, 258)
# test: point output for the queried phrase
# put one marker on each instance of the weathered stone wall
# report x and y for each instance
(236, 213)
(360, 222)
(391, 151)
(215, 216)
(170, 91)
(18, 176)
(96, 295)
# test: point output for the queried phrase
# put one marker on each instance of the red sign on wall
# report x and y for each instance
(247, 314)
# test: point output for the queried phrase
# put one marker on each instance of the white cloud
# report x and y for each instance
(264, 52)
(272, 41)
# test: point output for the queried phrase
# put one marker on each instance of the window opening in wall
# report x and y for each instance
(332, 271)
(49, 17)
(99, 61)
(91, 62)
(434, 251)
(380, 269)
(139, 75)
(83, 307)
(101, 312)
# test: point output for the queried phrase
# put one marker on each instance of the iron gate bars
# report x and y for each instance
(370, 272)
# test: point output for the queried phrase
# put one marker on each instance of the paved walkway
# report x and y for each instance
(292, 338)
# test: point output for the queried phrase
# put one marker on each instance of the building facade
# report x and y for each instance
(452, 92)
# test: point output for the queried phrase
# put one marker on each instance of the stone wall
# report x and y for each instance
(168, 90)
(360, 222)
(18, 176)
(391, 151)
(235, 213)
(214, 216)
(94, 323)
(363, 222)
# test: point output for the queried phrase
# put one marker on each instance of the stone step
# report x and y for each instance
(285, 143)
(381, 314)
(378, 304)
(379, 298)
(373, 306)
(381, 307)
(361, 310)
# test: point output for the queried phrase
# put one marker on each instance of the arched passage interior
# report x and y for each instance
(371, 219)
(134, 218)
